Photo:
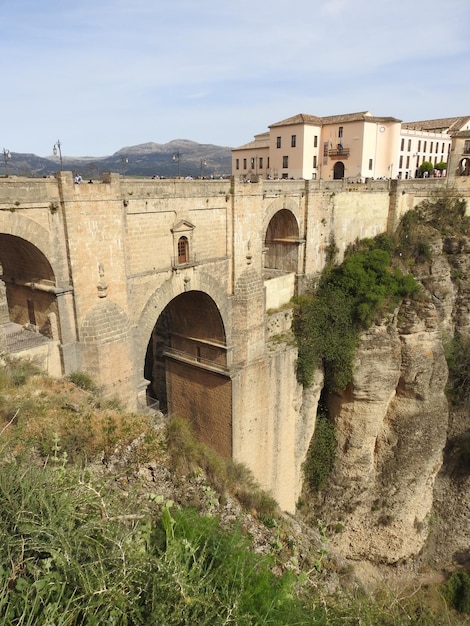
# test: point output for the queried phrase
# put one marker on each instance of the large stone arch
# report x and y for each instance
(161, 297)
(187, 361)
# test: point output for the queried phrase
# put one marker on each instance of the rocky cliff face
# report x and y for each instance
(390, 495)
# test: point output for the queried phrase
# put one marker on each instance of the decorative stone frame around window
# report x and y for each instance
(183, 251)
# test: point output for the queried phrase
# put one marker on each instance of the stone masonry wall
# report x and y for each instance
(116, 242)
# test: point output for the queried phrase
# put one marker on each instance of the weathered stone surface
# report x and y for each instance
(396, 489)
(391, 429)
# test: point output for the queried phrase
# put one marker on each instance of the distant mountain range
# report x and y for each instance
(178, 157)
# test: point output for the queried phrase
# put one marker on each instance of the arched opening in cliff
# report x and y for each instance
(281, 244)
(187, 368)
(27, 290)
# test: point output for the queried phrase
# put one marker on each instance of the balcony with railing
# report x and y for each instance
(195, 360)
(340, 152)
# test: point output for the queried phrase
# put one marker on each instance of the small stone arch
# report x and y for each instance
(22, 227)
(281, 242)
(29, 284)
(282, 203)
(464, 167)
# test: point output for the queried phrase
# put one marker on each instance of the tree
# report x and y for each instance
(426, 168)
(441, 166)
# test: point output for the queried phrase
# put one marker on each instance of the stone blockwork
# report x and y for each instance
(118, 264)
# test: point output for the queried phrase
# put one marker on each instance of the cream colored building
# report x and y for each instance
(354, 147)
(428, 140)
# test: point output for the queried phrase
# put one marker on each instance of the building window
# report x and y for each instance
(400, 164)
(340, 132)
(437, 147)
(419, 146)
(284, 176)
(285, 161)
(407, 162)
(409, 145)
(315, 161)
(430, 147)
(370, 164)
(237, 164)
(293, 141)
(183, 250)
(402, 145)
(278, 142)
(315, 141)
(268, 163)
(261, 163)
(252, 162)
(244, 164)
(424, 146)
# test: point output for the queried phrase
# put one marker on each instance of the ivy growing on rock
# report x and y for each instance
(350, 296)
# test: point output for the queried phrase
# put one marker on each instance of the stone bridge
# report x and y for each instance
(172, 293)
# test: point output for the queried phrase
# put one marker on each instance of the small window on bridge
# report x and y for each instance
(183, 250)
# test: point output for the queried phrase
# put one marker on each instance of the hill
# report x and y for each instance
(178, 157)
(111, 517)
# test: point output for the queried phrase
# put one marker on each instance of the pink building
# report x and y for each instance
(354, 147)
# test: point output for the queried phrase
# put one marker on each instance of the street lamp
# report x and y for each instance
(176, 158)
(203, 164)
(56, 147)
(6, 157)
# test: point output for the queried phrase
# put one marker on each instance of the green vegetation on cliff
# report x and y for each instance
(350, 296)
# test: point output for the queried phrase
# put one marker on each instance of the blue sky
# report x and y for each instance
(101, 75)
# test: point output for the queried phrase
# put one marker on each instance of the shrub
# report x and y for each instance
(71, 554)
(444, 213)
(329, 320)
(82, 380)
(188, 455)
(458, 361)
(219, 579)
(456, 591)
(321, 454)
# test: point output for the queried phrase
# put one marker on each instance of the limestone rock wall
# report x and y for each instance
(392, 422)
